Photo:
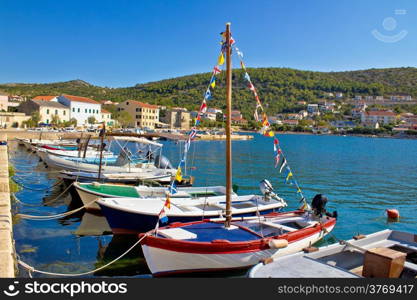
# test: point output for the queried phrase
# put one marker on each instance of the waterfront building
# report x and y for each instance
(143, 114)
(290, 122)
(12, 119)
(106, 117)
(339, 95)
(46, 98)
(372, 118)
(313, 109)
(177, 118)
(400, 98)
(294, 117)
(358, 98)
(81, 108)
(379, 98)
(4, 100)
(46, 109)
(237, 118)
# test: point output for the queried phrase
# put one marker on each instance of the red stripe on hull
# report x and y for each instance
(230, 247)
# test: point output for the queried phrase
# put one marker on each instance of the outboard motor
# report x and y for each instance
(162, 162)
(268, 191)
(319, 206)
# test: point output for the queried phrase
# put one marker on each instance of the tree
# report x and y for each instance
(91, 120)
(55, 120)
(123, 118)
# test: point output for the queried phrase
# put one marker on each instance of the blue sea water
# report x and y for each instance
(360, 176)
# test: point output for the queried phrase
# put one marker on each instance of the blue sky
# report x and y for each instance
(121, 43)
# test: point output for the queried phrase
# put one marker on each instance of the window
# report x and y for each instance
(137, 109)
(127, 103)
(137, 116)
(86, 110)
(64, 112)
(47, 112)
(56, 111)
(73, 109)
(47, 121)
(89, 111)
(78, 109)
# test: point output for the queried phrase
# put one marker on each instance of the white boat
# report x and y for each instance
(158, 176)
(347, 259)
(90, 192)
(135, 215)
(41, 152)
(208, 245)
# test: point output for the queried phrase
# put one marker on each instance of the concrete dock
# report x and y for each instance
(7, 253)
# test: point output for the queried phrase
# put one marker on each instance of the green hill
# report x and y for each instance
(279, 88)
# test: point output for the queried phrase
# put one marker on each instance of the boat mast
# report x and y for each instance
(102, 133)
(228, 127)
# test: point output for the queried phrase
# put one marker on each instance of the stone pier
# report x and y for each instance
(7, 255)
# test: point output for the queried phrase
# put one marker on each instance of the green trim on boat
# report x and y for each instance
(112, 190)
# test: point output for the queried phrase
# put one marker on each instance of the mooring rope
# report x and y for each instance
(39, 190)
(57, 216)
(32, 269)
(44, 203)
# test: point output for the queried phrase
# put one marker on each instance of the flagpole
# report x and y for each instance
(228, 128)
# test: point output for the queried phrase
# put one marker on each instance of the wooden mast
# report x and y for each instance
(228, 127)
(102, 133)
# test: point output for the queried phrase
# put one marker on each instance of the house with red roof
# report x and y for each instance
(380, 117)
(81, 108)
(143, 114)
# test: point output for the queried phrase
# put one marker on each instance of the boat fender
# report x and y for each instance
(277, 243)
(393, 213)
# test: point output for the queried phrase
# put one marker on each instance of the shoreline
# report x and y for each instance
(403, 136)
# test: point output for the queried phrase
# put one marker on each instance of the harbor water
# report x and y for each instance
(362, 177)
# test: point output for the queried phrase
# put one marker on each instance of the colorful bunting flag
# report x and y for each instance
(239, 52)
(213, 82)
(173, 188)
(163, 218)
(247, 77)
(242, 65)
(178, 175)
(193, 133)
(288, 176)
(220, 60)
(203, 107)
(283, 164)
(207, 95)
(216, 70)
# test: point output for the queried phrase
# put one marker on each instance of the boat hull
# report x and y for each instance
(165, 262)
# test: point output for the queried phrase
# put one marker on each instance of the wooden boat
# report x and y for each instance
(135, 215)
(125, 163)
(158, 176)
(89, 192)
(91, 153)
(349, 259)
(210, 246)
(229, 243)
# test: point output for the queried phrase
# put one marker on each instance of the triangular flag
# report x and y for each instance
(288, 176)
(242, 65)
(207, 95)
(213, 82)
(283, 163)
(216, 70)
(220, 60)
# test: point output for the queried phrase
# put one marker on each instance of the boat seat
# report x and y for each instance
(177, 233)
(279, 226)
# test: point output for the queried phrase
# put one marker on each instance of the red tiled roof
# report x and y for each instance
(381, 113)
(80, 99)
(44, 98)
(145, 105)
(104, 111)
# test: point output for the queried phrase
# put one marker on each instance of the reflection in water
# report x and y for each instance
(361, 177)
(132, 264)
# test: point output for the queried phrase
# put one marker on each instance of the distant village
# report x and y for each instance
(328, 115)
